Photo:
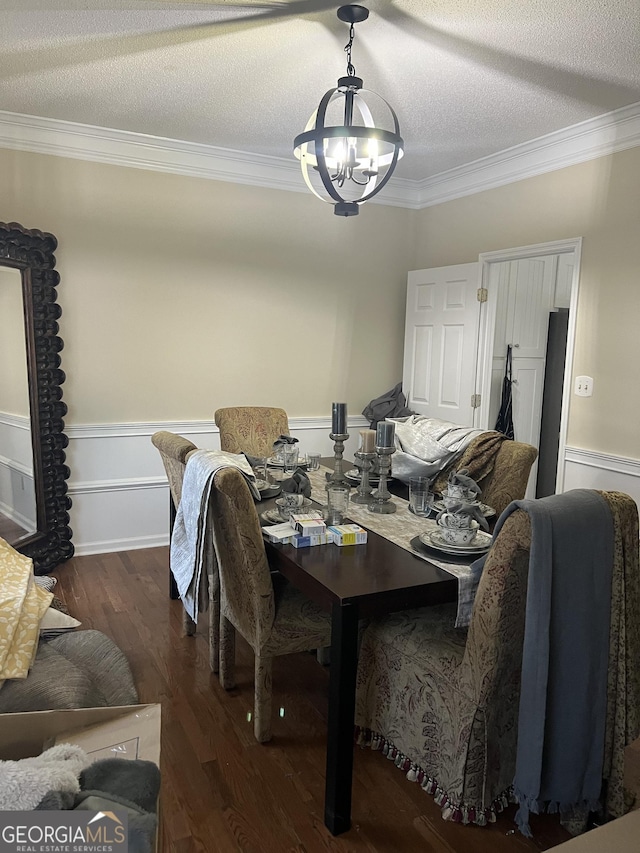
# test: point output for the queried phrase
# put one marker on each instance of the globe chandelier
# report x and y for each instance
(347, 163)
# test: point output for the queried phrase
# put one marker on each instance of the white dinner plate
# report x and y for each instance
(273, 462)
(485, 509)
(354, 476)
(480, 544)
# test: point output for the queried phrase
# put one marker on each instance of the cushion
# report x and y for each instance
(78, 669)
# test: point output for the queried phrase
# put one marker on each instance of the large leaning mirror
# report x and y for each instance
(34, 505)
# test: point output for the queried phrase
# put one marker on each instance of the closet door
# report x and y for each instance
(441, 342)
(528, 389)
(533, 292)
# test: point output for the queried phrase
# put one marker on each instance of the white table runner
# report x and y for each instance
(399, 527)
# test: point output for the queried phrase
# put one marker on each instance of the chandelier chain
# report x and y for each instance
(351, 69)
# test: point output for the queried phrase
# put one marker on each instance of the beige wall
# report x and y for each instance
(14, 388)
(181, 295)
(599, 201)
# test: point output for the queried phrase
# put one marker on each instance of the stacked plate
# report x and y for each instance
(480, 545)
(355, 475)
(274, 462)
(268, 490)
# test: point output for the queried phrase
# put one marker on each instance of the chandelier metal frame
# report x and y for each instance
(312, 145)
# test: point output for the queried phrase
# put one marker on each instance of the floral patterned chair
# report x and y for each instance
(272, 616)
(500, 467)
(250, 429)
(443, 702)
(174, 451)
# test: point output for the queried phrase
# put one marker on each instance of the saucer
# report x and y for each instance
(479, 546)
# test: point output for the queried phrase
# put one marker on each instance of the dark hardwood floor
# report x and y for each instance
(223, 792)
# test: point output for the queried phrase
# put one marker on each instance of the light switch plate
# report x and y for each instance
(584, 386)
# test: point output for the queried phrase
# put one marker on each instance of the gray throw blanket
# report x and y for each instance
(563, 697)
(188, 539)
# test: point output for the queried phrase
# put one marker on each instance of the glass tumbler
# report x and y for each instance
(313, 461)
(290, 458)
(337, 502)
(420, 498)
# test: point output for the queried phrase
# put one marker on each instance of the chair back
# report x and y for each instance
(507, 481)
(250, 429)
(174, 450)
(493, 651)
(247, 590)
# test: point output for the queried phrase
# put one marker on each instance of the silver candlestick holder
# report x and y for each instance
(337, 475)
(364, 461)
(381, 497)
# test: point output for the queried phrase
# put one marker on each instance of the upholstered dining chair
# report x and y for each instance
(250, 429)
(510, 474)
(443, 702)
(174, 451)
(501, 468)
(272, 616)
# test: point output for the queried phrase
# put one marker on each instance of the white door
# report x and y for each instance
(527, 391)
(441, 342)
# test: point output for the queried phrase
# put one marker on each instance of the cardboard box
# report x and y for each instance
(309, 541)
(282, 534)
(347, 534)
(621, 835)
(309, 526)
(125, 731)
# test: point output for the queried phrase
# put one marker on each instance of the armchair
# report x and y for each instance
(443, 703)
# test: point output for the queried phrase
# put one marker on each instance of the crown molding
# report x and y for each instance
(587, 140)
(596, 137)
(157, 154)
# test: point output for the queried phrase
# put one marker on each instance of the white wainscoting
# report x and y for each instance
(17, 493)
(118, 487)
(586, 469)
(121, 497)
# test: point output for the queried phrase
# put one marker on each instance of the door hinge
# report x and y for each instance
(483, 294)
(476, 399)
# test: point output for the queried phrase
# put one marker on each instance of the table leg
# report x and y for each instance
(342, 688)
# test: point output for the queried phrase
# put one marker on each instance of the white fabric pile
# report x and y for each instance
(424, 446)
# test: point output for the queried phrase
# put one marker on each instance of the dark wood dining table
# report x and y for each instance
(352, 583)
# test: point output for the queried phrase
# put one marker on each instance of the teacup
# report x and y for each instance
(459, 535)
(455, 495)
(289, 502)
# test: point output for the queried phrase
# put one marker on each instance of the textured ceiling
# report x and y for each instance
(467, 78)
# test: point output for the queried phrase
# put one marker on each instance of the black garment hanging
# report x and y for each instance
(504, 423)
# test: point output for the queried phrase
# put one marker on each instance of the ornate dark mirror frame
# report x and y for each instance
(31, 252)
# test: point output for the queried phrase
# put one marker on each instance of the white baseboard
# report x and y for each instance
(118, 488)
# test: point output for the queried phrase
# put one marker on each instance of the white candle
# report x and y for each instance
(368, 439)
(385, 433)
